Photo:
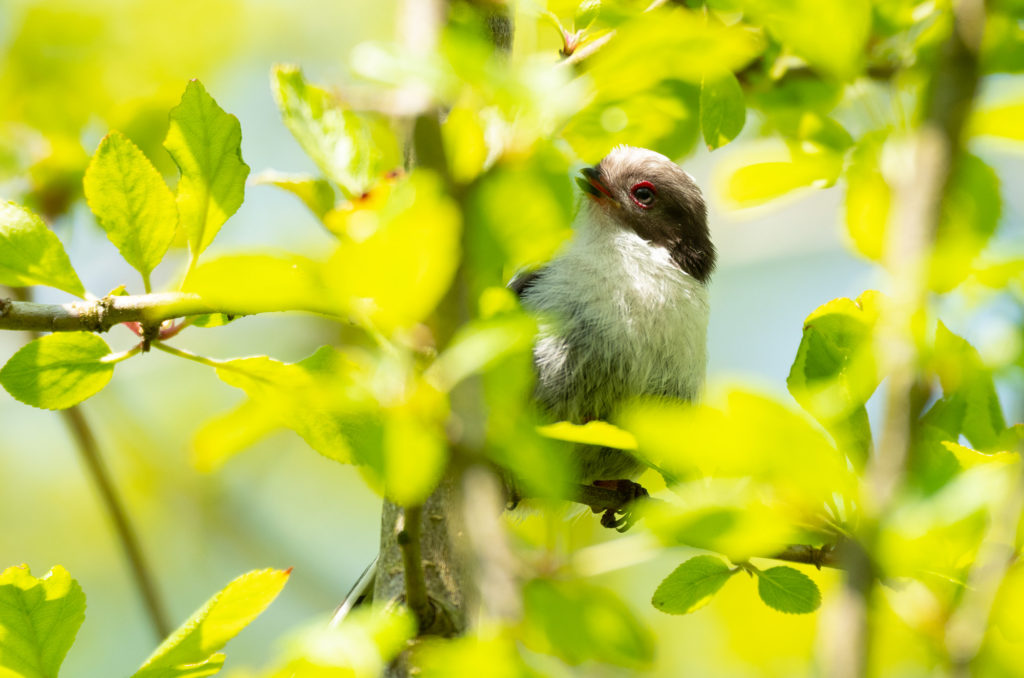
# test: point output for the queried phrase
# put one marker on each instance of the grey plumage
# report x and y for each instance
(624, 307)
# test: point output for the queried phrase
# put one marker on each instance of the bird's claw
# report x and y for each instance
(622, 518)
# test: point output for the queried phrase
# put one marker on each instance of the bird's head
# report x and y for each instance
(643, 191)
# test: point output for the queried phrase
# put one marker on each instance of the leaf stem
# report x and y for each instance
(115, 358)
(188, 355)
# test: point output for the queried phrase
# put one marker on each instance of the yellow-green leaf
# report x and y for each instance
(214, 624)
(131, 202)
(314, 192)
(592, 433)
(691, 585)
(788, 590)
(397, 273)
(39, 619)
(758, 183)
(58, 370)
(30, 253)
(205, 143)
(1002, 121)
(868, 199)
(353, 149)
(723, 109)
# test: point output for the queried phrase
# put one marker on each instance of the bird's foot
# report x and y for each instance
(621, 518)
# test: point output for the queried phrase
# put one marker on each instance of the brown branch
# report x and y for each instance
(102, 314)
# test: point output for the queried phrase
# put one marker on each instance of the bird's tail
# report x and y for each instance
(361, 592)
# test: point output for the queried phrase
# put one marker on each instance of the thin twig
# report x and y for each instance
(141, 572)
(408, 538)
(88, 449)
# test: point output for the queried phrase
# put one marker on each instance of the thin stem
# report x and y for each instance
(408, 538)
(115, 358)
(141, 572)
(188, 355)
(89, 451)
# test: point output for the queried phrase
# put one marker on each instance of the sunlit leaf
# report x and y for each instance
(214, 624)
(297, 396)
(39, 619)
(834, 373)
(131, 202)
(205, 143)
(758, 183)
(725, 516)
(868, 199)
(971, 209)
(969, 458)
(969, 404)
(664, 117)
(480, 344)
(397, 273)
(670, 44)
(1000, 121)
(353, 149)
(749, 435)
(361, 646)
(315, 193)
(592, 433)
(465, 144)
(415, 452)
(580, 622)
(227, 434)
(253, 283)
(723, 109)
(30, 253)
(484, 654)
(788, 590)
(533, 231)
(691, 585)
(58, 370)
(829, 35)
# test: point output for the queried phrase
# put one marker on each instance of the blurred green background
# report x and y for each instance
(73, 70)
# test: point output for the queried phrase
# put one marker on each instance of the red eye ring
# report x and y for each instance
(642, 194)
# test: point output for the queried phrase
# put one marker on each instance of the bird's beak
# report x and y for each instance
(590, 181)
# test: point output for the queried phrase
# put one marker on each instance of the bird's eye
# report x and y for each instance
(643, 194)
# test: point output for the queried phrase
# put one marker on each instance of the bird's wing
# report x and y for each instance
(523, 280)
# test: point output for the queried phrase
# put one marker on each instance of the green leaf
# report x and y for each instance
(297, 396)
(580, 622)
(971, 209)
(396, 273)
(131, 202)
(480, 344)
(30, 253)
(868, 198)
(317, 194)
(758, 183)
(723, 109)
(671, 44)
(835, 373)
(691, 585)
(788, 590)
(213, 625)
(969, 404)
(586, 13)
(353, 149)
(484, 654)
(58, 370)
(206, 144)
(1000, 121)
(592, 433)
(829, 35)
(271, 283)
(223, 436)
(39, 619)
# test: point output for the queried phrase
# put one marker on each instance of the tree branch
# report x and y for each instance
(102, 314)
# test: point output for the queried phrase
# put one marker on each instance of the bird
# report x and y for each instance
(623, 308)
